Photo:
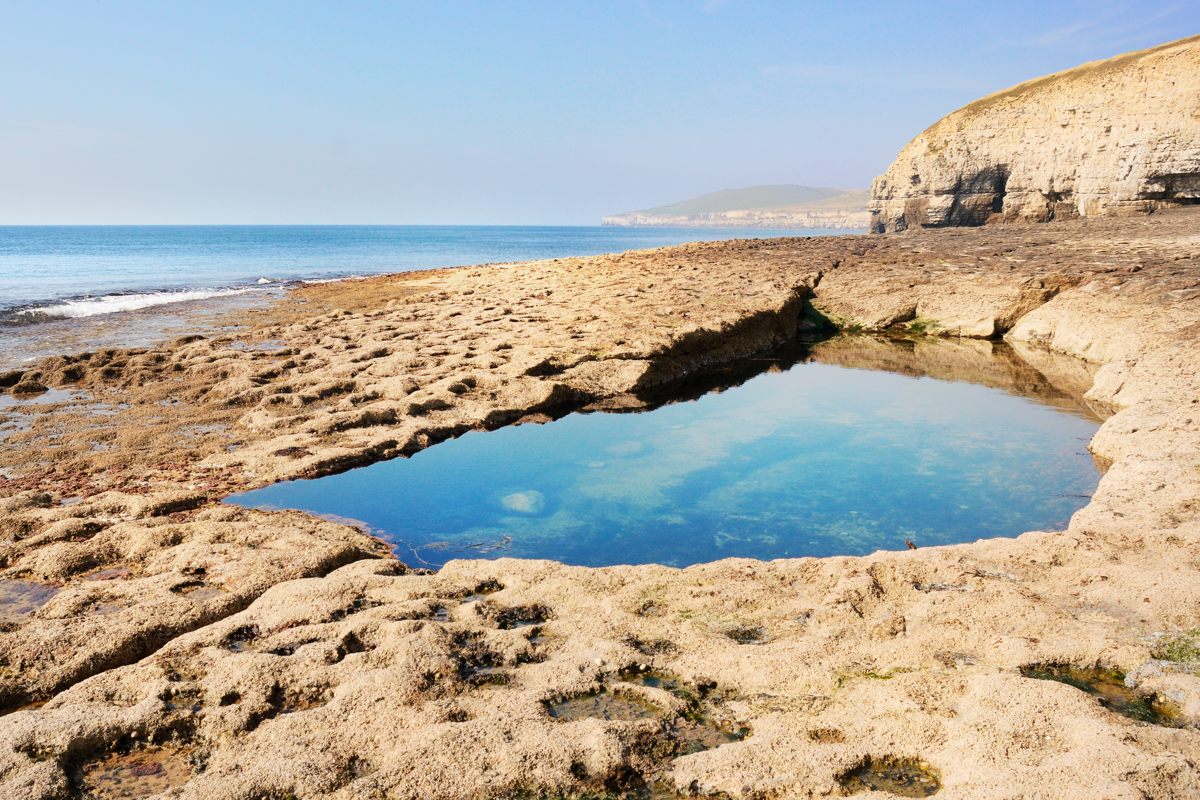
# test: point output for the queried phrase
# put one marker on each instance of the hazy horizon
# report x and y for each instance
(539, 114)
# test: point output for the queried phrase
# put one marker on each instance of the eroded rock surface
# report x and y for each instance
(267, 654)
(1108, 137)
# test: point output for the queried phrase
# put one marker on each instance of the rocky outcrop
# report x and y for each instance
(1109, 137)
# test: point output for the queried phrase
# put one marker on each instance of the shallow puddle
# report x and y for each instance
(603, 704)
(1108, 686)
(513, 617)
(12, 425)
(905, 777)
(695, 737)
(198, 590)
(141, 773)
(748, 635)
(656, 679)
(241, 639)
(21, 598)
(109, 574)
(8, 401)
(691, 730)
(639, 790)
(804, 459)
(107, 607)
(265, 346)
(696, 729)
(485, 676)
(482, 590)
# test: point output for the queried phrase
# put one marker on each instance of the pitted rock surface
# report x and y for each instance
(268, 654)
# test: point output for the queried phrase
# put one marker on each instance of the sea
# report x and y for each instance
(134, 282)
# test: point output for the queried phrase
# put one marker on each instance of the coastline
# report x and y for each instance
(79, 282)
(352, 373)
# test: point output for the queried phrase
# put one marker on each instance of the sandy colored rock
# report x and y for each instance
(378, 681)
(112, 589)
(1109, 137)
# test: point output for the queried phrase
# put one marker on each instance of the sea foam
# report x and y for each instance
(110, 304)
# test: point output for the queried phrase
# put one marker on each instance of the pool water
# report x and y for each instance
(816, 459)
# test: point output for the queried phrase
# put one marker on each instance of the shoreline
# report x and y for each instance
(392, 364)
(143, 267)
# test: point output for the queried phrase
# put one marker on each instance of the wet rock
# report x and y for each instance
(508, 618)
(904, 777)
(1108, 685)
(747, 634)
(143, 772)
(612, 706)
(20, 598)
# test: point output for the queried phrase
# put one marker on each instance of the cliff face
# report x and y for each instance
(1109, 137)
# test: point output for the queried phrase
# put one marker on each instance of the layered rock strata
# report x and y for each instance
(1109, 137)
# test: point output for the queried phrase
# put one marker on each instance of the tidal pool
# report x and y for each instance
(814, 457)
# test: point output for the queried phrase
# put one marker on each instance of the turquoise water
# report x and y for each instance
(816, 460)
(77, 271)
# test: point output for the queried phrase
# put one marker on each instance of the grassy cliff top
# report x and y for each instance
(1088, 70)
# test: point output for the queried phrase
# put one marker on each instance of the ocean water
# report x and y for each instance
(57, 272)
(815, 460)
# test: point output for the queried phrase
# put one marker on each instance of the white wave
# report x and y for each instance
(319, 281)
(110, 304)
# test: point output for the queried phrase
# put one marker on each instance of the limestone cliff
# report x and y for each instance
(1108, 137)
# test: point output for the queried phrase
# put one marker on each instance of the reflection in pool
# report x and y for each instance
(816, 459)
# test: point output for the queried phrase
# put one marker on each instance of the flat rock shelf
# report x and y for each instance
(238, 653)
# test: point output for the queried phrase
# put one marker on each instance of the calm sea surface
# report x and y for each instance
(78, 271)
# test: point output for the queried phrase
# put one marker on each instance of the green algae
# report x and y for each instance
(696, 728)
(1108, 685)
(482, 589)
(1181, 648)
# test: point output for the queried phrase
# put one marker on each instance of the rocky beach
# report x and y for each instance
(157, 640)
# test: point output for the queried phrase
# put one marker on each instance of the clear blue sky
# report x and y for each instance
(504, 112)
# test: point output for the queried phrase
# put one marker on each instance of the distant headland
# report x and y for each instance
(775, 206)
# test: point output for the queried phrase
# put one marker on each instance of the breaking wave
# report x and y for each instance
(113, 303)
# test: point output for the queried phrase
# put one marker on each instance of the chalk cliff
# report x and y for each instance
(1108, 137)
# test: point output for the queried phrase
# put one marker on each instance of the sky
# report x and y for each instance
(532, 112)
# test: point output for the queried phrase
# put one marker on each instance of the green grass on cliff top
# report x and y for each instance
(1091, 68)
